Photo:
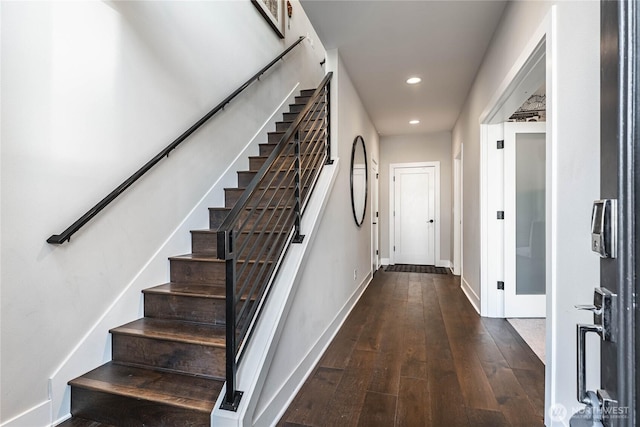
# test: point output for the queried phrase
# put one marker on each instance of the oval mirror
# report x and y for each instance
(359, 179)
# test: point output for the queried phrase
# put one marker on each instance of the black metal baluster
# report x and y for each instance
(327, 121)
(232, 396)
(298, 238)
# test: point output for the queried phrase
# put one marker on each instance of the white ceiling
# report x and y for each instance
(383, 42)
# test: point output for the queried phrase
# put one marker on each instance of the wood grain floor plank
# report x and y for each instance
(310, 404)
(348, 398)
(385, 377)
(512, 398)
(473, 381)
(533, 384)
(378, 410)
(447, 404)
(484, 418)
(517, 354)
(413, 403)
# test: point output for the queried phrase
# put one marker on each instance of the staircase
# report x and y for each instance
(168, 367)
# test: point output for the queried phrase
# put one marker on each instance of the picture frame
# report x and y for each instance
(273, 12)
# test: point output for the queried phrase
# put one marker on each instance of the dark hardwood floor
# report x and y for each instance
(414, 352)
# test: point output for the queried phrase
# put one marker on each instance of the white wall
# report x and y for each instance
(327, 289)
(573, 115)
(91, 91)
(418, 148)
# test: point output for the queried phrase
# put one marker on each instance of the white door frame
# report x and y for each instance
(525, 77)
(536, 58)
(458, 167)
(375, 221)
(392, 168)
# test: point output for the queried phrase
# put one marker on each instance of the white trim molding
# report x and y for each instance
(444, 263)
(473, 298)
(38, 416)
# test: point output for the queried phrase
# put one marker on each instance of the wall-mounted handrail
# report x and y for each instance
(65, 236)
(265, 220)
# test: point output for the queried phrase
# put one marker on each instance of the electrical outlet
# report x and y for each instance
(355, 274)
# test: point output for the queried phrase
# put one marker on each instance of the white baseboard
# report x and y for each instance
(38, 416)
(288, 391)
(473, 298)
(440, 263)
(444, 263)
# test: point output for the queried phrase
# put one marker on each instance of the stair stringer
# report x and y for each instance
(262, 347)
(94, 349)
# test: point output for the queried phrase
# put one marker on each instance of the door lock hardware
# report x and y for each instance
(604, 312)
(604, 228)
(599, 403)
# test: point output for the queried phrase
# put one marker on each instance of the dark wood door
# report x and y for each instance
(619, 181)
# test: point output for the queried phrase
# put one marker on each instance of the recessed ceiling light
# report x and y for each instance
(414, 122)
(414, 80)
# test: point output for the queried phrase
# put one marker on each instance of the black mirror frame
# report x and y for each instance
(366, 179)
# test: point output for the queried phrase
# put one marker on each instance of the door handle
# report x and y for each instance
(582, 330)
(431, 221)
(590, 307)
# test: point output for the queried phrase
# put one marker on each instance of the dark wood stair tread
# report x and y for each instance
(184, 391)
(258, 207)
(174, 330)
(271, 187)
(244, 232)
(203, 258)
(189, 290)
(214, 292)
(197, 257)
(279, 156)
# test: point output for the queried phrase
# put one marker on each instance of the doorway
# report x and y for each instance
(414, 199)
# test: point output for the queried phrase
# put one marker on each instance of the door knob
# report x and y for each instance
(431, 221)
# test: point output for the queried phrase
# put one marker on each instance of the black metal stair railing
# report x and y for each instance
(65, 236)
(258, 230)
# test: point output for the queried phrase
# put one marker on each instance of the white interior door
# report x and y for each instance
(414, 215)
(524, 219)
